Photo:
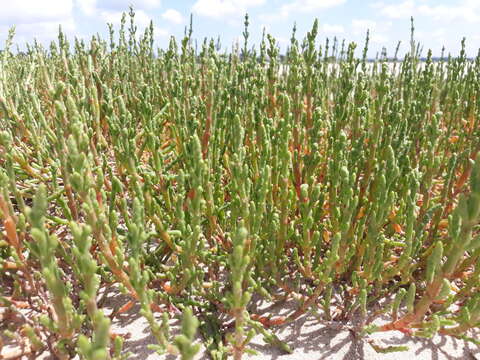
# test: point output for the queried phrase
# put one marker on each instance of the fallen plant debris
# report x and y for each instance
(196, 180)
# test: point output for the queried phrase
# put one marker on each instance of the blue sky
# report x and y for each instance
(438, 22)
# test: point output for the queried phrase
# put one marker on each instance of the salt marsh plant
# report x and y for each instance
(195, 181)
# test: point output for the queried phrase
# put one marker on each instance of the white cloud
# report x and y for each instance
(310, 5)
(88, 7)
(92, 7)
(220, 8)
(464, 10)
(123, 5)
(333, 29)
(111, 17)
(397, 11)
(32, 11)
(301, 6)
(160, 33)
(173, 16)
(439, 33)
(44, 31)
(37, 19)
(149, 3)
(142, 19)
(379, 39)
(360, 26)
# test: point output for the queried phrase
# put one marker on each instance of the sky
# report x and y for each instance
(438, 23)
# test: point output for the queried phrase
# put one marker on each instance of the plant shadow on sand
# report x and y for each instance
(308, 337)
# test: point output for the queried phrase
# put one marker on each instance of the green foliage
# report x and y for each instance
(184, 341)
(199, 180)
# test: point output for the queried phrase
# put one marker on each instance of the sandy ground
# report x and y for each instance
(307, 336)
(310, 340)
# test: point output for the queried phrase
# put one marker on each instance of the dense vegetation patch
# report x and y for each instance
(197, 181)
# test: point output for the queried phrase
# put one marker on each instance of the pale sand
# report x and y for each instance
(309, 340)
(307, 336)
